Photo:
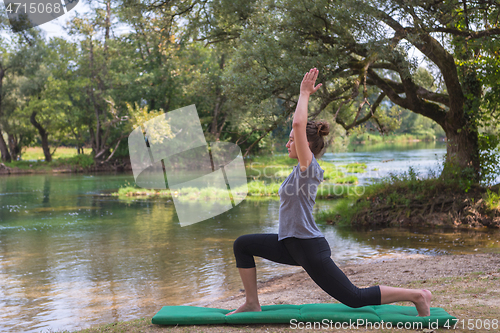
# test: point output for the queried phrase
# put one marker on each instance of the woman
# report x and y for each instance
(299, 241)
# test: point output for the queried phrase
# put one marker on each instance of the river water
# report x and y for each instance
(71, 257)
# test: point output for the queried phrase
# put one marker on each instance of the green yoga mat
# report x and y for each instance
(328, 315)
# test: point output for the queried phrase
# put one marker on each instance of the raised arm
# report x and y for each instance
(299, 124)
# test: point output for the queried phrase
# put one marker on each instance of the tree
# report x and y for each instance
(97, 55)
(175, 67)
(21, 73)
(250, 116)
(67, 89)
(358, 44)
(5, 55)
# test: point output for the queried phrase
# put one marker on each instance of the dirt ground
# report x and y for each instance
(299, 288)
(466, 286)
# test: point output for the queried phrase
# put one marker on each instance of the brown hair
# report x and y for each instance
(315, 131)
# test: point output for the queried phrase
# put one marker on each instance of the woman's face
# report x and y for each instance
(292, 153)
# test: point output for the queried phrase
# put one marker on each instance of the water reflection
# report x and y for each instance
(71, 258)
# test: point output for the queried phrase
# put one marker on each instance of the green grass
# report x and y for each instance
(267, 172)
(492, 199)
(36, 153)
(260, 188)
(403, 190)
(63, 158)
(193, 193)
(256, 188)
(345, 180)
(27, 165)
(375, 138)
(354, 167)
(278, 168)
(343, 212)
(271, 160)
(81, 160)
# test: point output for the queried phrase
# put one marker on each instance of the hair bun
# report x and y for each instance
(323, 128)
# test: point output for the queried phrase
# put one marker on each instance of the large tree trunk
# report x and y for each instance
(4, 150)
(3, 146)
(462, 151)
(463, 145)
(44, 136)
(96, 137)
(461, 130)
(219, 100)
(15, 149)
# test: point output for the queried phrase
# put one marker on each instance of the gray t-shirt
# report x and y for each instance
(297, 198)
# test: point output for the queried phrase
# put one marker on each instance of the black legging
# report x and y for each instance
(314, 256)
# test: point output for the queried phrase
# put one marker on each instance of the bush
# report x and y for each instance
(489, 157)
(81, 160)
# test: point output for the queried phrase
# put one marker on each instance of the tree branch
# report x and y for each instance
(435, 52)
(468, 34)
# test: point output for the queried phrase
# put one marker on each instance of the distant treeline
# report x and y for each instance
(241, 63)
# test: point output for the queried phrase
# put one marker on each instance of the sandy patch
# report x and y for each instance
(298, 288)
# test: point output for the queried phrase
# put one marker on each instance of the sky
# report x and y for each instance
(55, 27)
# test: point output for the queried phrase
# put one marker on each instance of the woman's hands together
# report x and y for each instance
(307, 85)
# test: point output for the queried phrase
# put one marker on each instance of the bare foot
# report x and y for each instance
(246, 308)
(423, 304)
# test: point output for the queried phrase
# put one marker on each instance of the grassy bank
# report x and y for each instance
(36, 153)
(64, 158)
(376, 138)
(408, 200)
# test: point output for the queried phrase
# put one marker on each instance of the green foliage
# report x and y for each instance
(123, 191)
(75, 161)
(395, 191)
(332, 174)
(342, 213)
(260, 188)
(492, 199)
(354, 167)
(28, 165)
(266, 159)
(81, 160)
(345, 180)
(465, 178)
(282, 40)
(277, 167)
(489, 157)
(404, 187)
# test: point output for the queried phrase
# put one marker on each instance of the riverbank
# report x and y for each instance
(64, 160)
(76, 164)
(433, 202)
(466, 286)
(376, 138)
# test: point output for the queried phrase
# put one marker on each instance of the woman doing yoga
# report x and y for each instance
(299, 242)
